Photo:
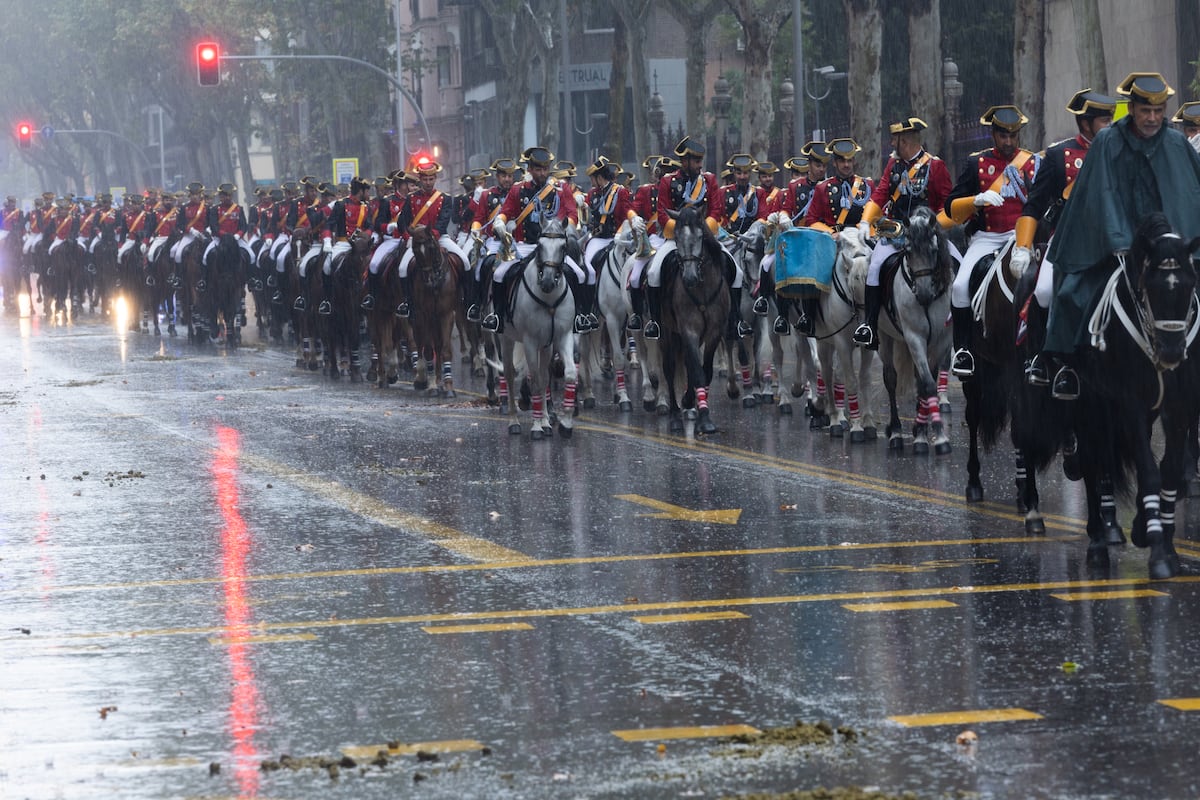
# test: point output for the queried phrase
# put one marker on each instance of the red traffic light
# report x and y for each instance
(24, 135)
(208, 63)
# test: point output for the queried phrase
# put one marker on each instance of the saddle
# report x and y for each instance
(887, 279)
(509, 286)
(601, 258)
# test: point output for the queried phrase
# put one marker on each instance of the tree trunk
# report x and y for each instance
(618, 76)
(1029, 79)
(925, 95)
(761, 22)
(516, 44)
(864, 26)
(697, 18)
(643, 141)
(1089, 44)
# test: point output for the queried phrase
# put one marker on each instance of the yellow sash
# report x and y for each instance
(912, 173)
(199, 213)
(1018, 162)
(362, 212)
(137, 221)
(841, 220)
(542, 195)
(428, 204)
(609, 202)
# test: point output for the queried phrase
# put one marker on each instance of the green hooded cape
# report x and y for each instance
(1123, 179)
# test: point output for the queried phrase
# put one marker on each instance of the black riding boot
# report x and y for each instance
(807, 324)
(653, 311)
(579, 291)
(963, 319)
(637, 298)
(500, 299)
(479, 291)
(405, 308)
(281, 292)
(737, 328)
(867, 334)
(368, 302)
(326, 307)
(766, 290)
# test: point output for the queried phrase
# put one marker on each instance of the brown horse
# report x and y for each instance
(160, 288)
(383, 326)
(340, 327)
(304, 322)
(435, 304)
(131, 283)
(13, 276)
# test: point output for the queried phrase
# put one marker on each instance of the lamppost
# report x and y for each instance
(721, 102)
(829, 75)
(787, 103)
(952, 91)
(656, 115)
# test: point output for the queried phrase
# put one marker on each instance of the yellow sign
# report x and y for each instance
(344, 169)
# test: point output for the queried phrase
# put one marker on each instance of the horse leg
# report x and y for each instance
(510, 381)
(446, 355)
(702, 372)
(566, 421)
(1097, 552)
(1148, 524)
(971, 389)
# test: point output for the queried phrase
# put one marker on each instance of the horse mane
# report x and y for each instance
(926, 234)
(1153, 226)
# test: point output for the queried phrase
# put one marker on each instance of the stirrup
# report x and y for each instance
(256, 285)
(964, 363)
(149, 280)
(593, 321)
(271, 281)
(277, 298)
(634, 323)
(581, 324)
(782, 328)
(743, 329)
(490, 323)
(402, 310)
(368, 303)
(201, 286)
(473, 314)
(864, 336)
(300, 304)
(761, 305)
(1066, 385)
(325, 309)
(1036, 373)
(651, 329)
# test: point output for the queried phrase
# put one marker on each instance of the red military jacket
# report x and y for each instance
(554, 199)
(135, 222)
(676, 190)
(797, 197)
(391, 211)
(923, 180)
(194, 216)
(986, 170)
(435, 211)
(262, 219)
(12, 220)
(608, 208)
(227, 219)
(775, 199)
(167, 221)
(486, 205)
(645, 205)
(64, 222)
(741, 206)
(318, 216)
(348, 216)
(87, 224)
(838, 203)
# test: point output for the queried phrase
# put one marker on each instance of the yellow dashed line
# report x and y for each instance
(966, 717)
(909, 606)
(1115, 595)
(663, 619)
(1183, 703)
(368, 751)
(497, 626)
(694, 732)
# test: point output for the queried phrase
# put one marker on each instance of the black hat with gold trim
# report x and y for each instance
(276, 194)
(564, 169)
(136, 199)
(227, 188)
(652, 162)
(310, 182)
(326, 188)
(195, 187)
(741, 161)
(1005, 118)
(726, 175)
(910, 125)
(625, 178)
(766, 168)
(425, 166)
(358, 184)
(1188, 114)
(689, 148)
(1088, 104)
(843, 148)
(289, 187)
(537, 156)
(1145, 87)
(797, 164)
(603, 167)
(816, 152)
(396, 176)
(505, 165)
(382, 181)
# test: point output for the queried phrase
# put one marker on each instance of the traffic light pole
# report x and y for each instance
(393, 81)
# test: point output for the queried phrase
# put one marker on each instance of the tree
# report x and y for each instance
(864, 24)
(517, 40)
(925, 94)
(1029, 78)
(1089, 43)
(761, 21)
(696, 17)
(635, 17)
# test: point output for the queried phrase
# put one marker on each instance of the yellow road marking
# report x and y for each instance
(723, 516)
(368, 751)
(966, 717)
(498, 626)
(904, 606)
(662, 619)
(695, 732)
(1183, 703)
(224, 641)
(1124, 594)
(551, 562)
(543, 613)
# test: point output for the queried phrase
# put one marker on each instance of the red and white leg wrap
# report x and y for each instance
(702, 399)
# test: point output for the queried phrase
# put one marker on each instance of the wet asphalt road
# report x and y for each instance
(209, 558)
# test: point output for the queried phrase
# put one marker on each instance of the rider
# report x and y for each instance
(38, 221)
(838, 203)
(288, 212)
(162, 222)
(387, 226)
(12, 221)
(691, 186)
(348, 217)
(226, 217)
(192, 224)
(1135, 167)
(991, 191)
(609, 206)
(799, 189)
(427, 206)
(645, 206)
(473, 183)
(321, 241)
(911, 179)
(1051, 188)
(528, 204)
(484, 208)
(1188, 116)
(133, 225)
(64, 223)
(818, 161)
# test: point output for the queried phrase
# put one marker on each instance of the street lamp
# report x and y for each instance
(787, 103)
(828, 74)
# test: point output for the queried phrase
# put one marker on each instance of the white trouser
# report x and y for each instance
(594, 245)
(313, 251)
(54, 245)
(83, 242)
(884, 249)
(31, 241)
(446, 244)
(491, 246)
(338, 249)
(242, 243)
(178, 248)
(155, 245)
(95, 241)
(524, 249)
(125, 247)
(253, 238)
(654, 275)
(279, 251)
(385, 249)
(639, 262)
(1043, 292)
(982, 244)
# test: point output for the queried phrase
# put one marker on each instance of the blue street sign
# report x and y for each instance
(47, 132)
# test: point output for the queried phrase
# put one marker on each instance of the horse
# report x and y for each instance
(383, 326)
(64, 268)
(160, 288)
(304, 322)
(1144, 366)
(543, 315)
(131, 280)
(228, 265)
(612, 300)
(13, 276)
(747, 250)
(188, 298)
(104, 261)
(435, 304)
(916, 338)
(695, 310)
(340, 328)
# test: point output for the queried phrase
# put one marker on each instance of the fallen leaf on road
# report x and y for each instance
(104, 712)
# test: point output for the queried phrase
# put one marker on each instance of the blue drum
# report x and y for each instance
(804, 259)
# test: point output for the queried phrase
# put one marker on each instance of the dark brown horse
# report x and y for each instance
(384, 327)
(305, 322)
(435, 304)
(160, 288)
(340, 328)
(13, 276)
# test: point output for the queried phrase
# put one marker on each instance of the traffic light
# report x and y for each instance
(208, 63)
(24, 135)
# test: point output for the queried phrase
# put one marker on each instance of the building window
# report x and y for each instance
(443, 66)
(416, 9)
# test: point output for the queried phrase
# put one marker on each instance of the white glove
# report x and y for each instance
(391, 228)
(374, 237)
(327, 246)
(989, 198)
(864, 230)
(1019, 261)
(638, 224)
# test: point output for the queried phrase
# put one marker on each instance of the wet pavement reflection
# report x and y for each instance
(210, 559)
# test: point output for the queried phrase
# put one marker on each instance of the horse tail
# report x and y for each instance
(906, 381)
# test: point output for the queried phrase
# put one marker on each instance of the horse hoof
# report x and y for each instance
(896, 443)
(313, 367)
(1113, 535)
(707, 427)
(785, 408)
(515, 429)
(942, 448)
(372, 375)
(648, 406)
(393, 379)
(749, 402)
(565, 431)
(589, 403)
(1035, 527)
(858, 437)
(626, 407)
(537, 435)
(691, 414)
(451, 394)
(677, 425)
(478, 372)
(818, 421)
(662, 410)
(1160, 569)
(944, 408)
(974, 494)
(1097, 556)
(920, 448)
(836, 431)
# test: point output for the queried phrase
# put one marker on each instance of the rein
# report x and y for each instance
(995, 272)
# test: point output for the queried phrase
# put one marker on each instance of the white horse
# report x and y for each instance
(543, 314)
(615, 307)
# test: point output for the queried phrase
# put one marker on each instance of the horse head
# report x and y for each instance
(853, 255)
(1163, 277)
(750, 254)
(360, 242)
(550, 254)
(693, 242)
(927, 260)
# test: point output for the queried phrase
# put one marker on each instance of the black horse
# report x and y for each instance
(1144, 366)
